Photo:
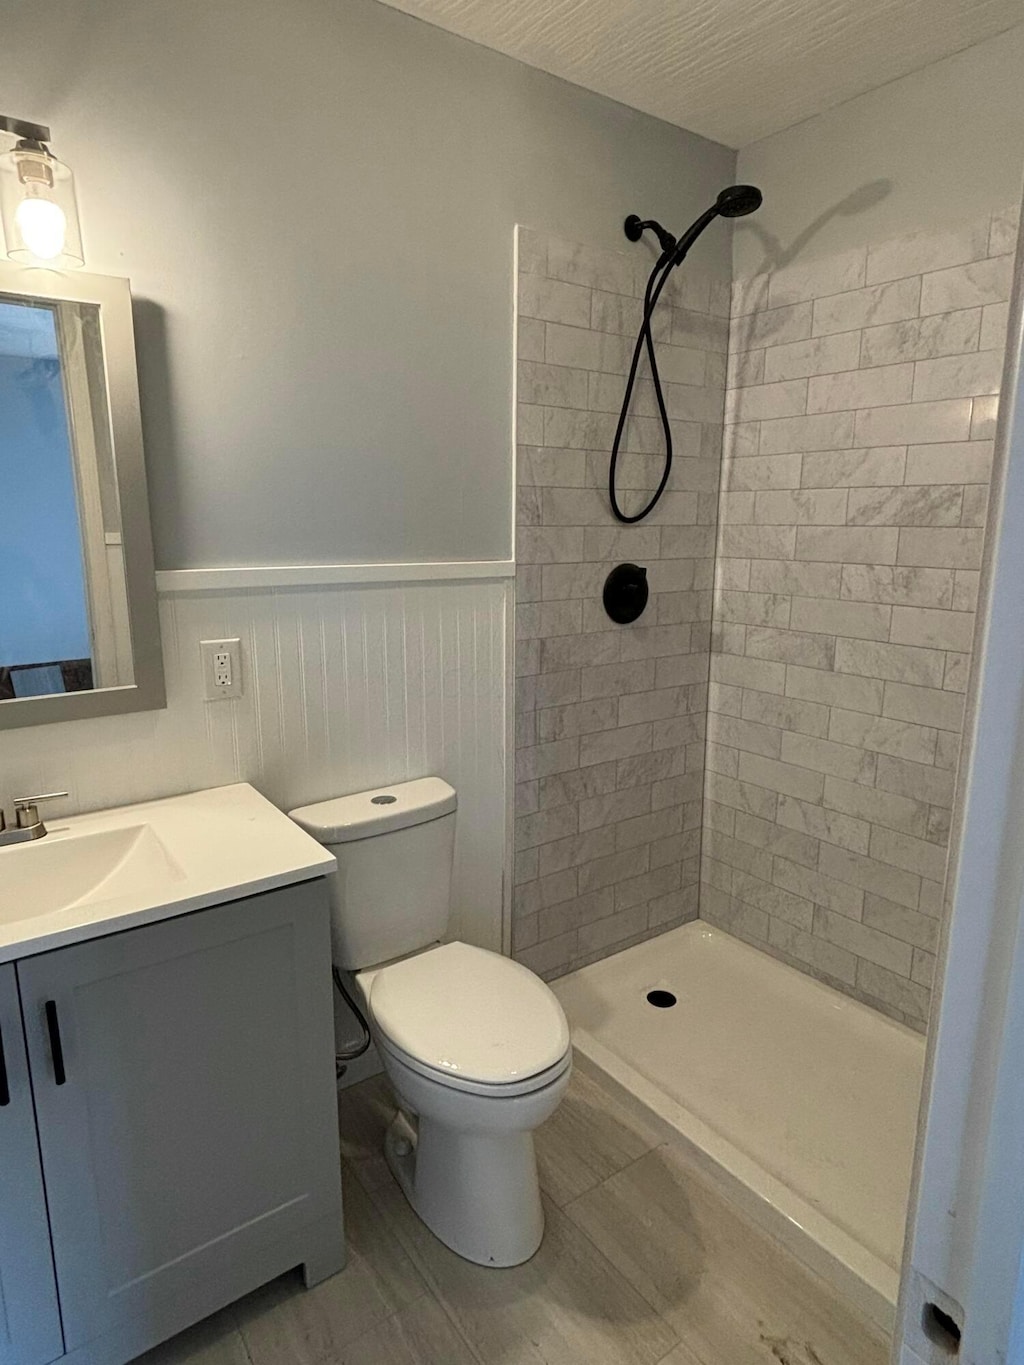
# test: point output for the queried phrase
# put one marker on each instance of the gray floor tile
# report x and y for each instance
(283, 1322)
(734, 1296)
(567, 1306)
(681, 1355)
(420, 1335)
(590, 1136)
(364, 1112)
(216, 1341)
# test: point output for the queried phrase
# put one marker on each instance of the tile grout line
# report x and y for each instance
(566, 1210)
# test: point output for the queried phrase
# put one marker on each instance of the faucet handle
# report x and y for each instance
(25, 808)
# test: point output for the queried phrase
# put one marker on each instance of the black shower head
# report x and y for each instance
(736, 201)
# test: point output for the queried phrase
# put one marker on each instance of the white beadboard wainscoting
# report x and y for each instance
(346, 686)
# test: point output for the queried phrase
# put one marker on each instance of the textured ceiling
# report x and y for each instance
(733, 70)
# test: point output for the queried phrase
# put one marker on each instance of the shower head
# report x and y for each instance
(736, 201)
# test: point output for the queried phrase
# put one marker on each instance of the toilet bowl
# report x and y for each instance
(475, 1045)
(471, 1090)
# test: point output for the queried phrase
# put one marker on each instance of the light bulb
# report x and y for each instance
(43, 227)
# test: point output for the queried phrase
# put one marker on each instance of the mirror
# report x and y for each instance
(79, 634)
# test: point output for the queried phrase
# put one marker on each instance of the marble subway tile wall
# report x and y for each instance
(610, 719)
(860, 418)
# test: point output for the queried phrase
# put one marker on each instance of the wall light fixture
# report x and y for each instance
(38, 209)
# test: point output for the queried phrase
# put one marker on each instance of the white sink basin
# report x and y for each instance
(56, 873)
(96, 874)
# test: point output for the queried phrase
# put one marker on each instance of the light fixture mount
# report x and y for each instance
(21, 128)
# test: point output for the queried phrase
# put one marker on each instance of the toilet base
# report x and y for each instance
(477, 1192)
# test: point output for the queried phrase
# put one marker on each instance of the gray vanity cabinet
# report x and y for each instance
(29, 1317)
(183, 1077)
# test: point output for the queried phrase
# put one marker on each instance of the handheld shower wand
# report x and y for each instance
(735, 201)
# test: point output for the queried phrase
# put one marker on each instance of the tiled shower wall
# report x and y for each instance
(858, 454)
(610, 719)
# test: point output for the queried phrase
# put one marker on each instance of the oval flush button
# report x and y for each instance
(626, 593)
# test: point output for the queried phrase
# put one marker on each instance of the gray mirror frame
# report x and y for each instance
(112, 296)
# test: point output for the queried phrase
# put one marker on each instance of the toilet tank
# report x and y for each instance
(391, 894)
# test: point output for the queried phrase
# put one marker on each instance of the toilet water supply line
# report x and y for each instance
(350, 1054)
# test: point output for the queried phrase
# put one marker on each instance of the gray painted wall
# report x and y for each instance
(316, 203)
(943, 146)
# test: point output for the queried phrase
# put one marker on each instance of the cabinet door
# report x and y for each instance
(29, 1320)
(184, 1081)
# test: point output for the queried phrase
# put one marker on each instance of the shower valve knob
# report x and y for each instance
(626, 593)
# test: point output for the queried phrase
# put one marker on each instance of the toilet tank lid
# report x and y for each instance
(363, 815)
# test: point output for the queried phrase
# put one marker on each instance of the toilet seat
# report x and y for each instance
(470, 1019)
(529, 1085)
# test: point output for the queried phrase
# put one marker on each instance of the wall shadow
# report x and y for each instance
(775, 256)
(157, 402)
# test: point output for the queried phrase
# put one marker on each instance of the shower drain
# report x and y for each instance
(661, 1000)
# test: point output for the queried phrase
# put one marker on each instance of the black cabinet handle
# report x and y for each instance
(5, 1089)
(56, 1049)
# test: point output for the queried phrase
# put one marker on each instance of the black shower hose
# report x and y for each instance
(663, 267)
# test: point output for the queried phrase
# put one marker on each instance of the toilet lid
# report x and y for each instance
(468, 1012)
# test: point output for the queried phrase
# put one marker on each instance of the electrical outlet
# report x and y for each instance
(222, 669)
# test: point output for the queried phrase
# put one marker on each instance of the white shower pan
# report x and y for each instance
(800, 1101)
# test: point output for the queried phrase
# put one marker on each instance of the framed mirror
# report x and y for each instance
(79, 633)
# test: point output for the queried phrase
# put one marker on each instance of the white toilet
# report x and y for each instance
(475, 1045)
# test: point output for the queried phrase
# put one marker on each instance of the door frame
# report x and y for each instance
(965, 1231)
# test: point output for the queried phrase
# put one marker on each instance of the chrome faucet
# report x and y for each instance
(27, 824)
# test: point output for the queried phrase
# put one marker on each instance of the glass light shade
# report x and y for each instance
(38, 209)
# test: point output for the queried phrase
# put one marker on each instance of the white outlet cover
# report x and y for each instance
(222, 669)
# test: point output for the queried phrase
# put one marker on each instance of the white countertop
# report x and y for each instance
(133, 865)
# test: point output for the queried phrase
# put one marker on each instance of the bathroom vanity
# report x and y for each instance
(168, 1126)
